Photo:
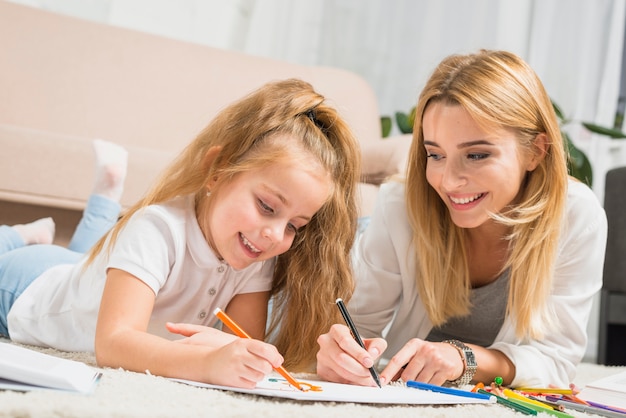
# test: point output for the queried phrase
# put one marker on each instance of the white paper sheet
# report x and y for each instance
(276, 386)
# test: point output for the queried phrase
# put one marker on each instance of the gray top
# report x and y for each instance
(486, 316)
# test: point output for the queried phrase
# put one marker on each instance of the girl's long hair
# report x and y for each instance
(499, 90)
(316, 269)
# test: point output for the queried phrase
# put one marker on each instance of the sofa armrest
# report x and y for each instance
(384, 158)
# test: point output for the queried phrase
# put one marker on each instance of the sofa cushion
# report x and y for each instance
(384, 158)
(44, 168)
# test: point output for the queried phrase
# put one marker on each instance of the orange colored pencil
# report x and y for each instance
(232, 325)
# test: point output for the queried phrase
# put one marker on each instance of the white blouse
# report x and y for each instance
(386, 302)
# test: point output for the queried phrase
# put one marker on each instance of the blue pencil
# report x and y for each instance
(449, 391)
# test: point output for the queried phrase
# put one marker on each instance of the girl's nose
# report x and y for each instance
(274, 231)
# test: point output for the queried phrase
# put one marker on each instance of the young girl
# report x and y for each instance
(261, 203)
(485, 261)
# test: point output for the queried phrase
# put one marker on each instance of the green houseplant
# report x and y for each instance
(578, 164)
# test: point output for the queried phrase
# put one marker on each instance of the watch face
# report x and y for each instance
(469, 356)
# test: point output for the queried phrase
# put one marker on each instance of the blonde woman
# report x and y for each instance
(261, 203)
(484, 262)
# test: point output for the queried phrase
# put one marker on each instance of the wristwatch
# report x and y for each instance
(469, 362)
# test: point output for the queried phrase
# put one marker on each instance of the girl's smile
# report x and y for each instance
(256, 216)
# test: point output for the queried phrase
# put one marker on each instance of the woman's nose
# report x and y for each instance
(453, 176)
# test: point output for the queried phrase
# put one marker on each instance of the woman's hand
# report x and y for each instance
(425, 361)
(200, 335)
(341, 359)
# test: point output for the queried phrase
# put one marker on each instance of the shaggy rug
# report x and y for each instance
(127, 394)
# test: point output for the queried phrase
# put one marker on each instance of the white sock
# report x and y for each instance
(111, 162)
(40, 231)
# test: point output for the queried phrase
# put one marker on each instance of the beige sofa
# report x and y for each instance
(65, 81)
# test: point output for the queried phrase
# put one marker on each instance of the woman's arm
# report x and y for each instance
(122, 341)
(577, 279)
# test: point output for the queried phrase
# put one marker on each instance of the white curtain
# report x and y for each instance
(574, 45)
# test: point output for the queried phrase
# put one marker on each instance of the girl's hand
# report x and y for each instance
(200, 335)
(243, 362)
(425, 361)
(341, 359)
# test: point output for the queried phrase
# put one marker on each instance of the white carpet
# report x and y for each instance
(127, 394)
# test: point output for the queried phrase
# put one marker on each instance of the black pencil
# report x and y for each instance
(355, 334)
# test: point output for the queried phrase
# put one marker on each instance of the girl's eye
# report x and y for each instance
(433, 156)
(477, 156)
(292, 228)
(264, 207)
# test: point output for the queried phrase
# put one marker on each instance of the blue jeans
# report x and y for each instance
(21, 264)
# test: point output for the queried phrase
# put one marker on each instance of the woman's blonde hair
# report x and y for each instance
(252, 133)
(499, 90)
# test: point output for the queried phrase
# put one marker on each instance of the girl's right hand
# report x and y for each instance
(341, 359)
(200, 334)
(239, 362)
(242, 363)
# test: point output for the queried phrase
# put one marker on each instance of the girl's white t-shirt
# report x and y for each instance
(161, 245)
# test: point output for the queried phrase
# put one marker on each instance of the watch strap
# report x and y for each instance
(469, 362)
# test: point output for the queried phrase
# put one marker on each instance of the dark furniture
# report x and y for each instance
(612, 330)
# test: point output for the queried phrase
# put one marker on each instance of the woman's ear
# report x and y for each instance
(209, 159)
(539, 150)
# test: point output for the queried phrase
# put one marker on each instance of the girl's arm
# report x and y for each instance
(248, 310)
(122, 341)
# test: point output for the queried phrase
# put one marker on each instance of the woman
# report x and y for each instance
(485, 261)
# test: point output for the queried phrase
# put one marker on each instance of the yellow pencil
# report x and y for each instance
(531, 403)
(232, 325)
(560, 391)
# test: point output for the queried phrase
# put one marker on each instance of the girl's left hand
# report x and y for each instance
(200, 335)
(425, 361)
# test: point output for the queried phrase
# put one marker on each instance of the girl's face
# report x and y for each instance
(475, 172)
(256, 216)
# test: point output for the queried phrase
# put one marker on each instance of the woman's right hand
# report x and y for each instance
(341, 359)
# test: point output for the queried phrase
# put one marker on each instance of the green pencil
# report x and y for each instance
(510, 404)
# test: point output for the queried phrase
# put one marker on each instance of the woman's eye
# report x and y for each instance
(292, 228)
(477, 156)
(433, 156)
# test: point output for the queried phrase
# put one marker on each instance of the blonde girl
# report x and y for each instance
(260, 204)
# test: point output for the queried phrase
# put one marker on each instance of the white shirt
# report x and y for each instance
(163, 246)
(386, 301)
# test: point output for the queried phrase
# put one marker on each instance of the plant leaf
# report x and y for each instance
(578, 165)
(402, 119)
(613, 133)
(412, 117)
(558, 111)
(385, 122)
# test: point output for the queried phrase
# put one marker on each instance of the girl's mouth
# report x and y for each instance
(248, 245)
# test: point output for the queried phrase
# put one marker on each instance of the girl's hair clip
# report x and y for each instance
(311, 115)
